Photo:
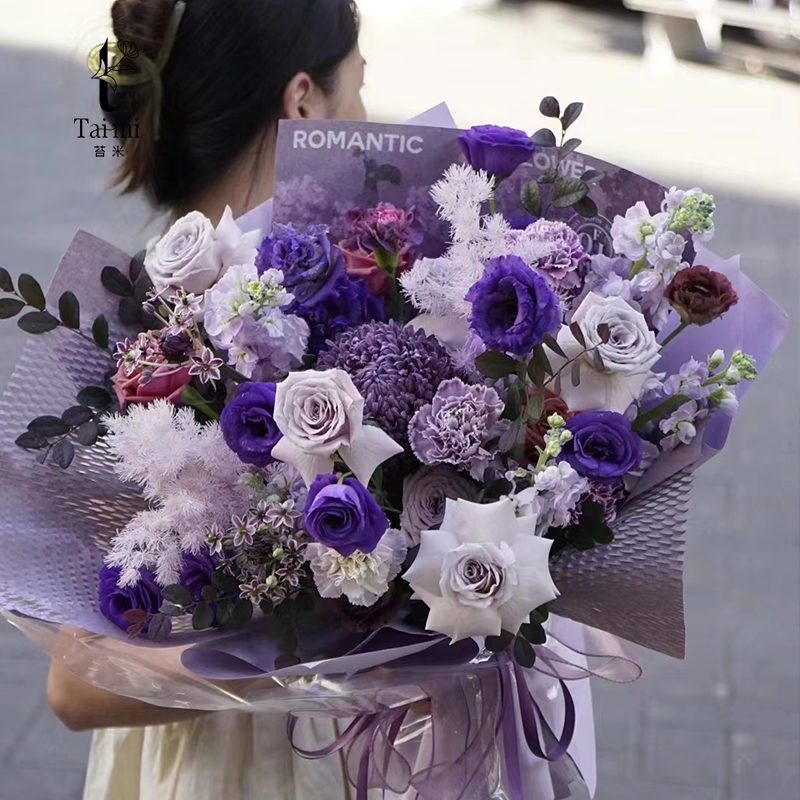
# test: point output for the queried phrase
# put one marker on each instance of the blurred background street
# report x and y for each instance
(724, 724)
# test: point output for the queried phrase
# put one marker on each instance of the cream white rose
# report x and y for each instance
(193, 255)
(628, 355)
(322, 413)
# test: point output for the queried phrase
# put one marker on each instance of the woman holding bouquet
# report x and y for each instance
(227, 71)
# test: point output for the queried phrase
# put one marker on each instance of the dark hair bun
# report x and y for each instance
(141, 22)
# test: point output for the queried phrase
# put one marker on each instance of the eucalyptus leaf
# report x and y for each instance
(557, 383)
(591, 175)
(497, 644)
(523, 653)
(242, 612)
(586, 207)
(544, 137)
(531, 198)
(88, 433)
(115, 282)
(203, 617)
(30, 440)
(159, 628)
(130, 311)
(597, 359)
(568, 191)
(10, 307)
(49, 426)
(77, 415)
(569, 147)
(63, 453)
(548, 177)
(224, 610)
(136, 266)
(540, 614)
(604, 332)
(571, 114)
(100, 332)
(94, 397)
(536, 406)
(171, 610)
(494, 364)
(6, 283)
(550, 341)
(577, 332)
(550, 107)
(575, 372)
(31, 291)
(209, 594)
(533, 632)
(69, 309)
(38, 322)
(225, 582)
(177, 595)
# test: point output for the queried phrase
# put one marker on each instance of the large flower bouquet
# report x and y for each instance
(313, 458)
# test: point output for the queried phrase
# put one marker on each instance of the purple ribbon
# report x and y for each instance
(464, 737)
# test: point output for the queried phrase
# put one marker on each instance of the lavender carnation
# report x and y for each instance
(456, 426)
(349, 305)
(565, 264)
(311, 266)
(396, 369)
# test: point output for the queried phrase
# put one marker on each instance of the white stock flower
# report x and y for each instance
(680, 425)
(483, 571)
(636, 232)
(193, 254)
(322, 413)
(361, 577)
(627, 356)
(666, 254)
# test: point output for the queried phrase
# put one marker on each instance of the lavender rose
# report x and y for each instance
(603, 446)
(114, 601)
(344, 516)
(248, 425)
(497, 150)
(513, 307)
(700, 295)
(311, 265)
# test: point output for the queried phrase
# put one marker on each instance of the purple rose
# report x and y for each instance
(513, 307)
(196, 572)
(311, 265)
(344, 516)
(497, 150)
(603, 446)
(248, 425)
(113, 600)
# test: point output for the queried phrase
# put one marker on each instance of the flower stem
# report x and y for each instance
(682, 327)
(658, 412)
(637, 267)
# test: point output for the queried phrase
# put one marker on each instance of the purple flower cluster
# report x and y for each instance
(396, 369)
(603, 445)
(513, 307)
(311, 265)
(384, 227)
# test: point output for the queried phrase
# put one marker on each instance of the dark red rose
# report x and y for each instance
(700, 295)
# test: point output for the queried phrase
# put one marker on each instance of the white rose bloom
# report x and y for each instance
(627, 356)
(193, 255)
(322, 413)
(484, 571)
(361, 577)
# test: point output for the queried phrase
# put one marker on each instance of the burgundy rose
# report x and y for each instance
(700, 295)
(167, 383)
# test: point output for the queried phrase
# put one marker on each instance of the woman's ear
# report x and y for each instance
(303, 99)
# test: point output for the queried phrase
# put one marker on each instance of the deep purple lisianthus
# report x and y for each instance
(175, 347)
(384, 227)
(248, 426)
(113, 601)
(349, 305)
(344, 516)
(311, 265)
(603, 446)
(497, 150)
(513, 307)
(196, 572)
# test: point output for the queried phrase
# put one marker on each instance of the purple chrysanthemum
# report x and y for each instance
(456, 426)
(564, 266)
(396, 369)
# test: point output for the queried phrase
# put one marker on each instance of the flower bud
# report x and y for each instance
(556, 421)
(278, 553)
(716, 359)
(733, 376)
(271, 582)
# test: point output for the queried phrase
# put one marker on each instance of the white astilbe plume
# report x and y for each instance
(439, 286)
(188, 474)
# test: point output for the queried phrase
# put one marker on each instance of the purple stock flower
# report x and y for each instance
(603, 446)
(113, 600)
(344, 516)
(196, 572)
(396, 369)
(497, 150)
(384, 227)
(311, 265)
(513, 307)
(454, 428)
(349, 305)
(248, 425)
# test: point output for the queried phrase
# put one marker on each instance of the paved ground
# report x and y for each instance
(724, 724)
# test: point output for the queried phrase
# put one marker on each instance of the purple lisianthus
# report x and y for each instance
(513, 307)
(603, 446)
(310, 264)
(344, 516)
(384, 227)
(497, 150)
(196, 572)
(349, 305)
(248, 425)
(113, 600)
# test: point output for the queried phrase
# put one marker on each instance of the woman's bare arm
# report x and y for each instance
(82, 707)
